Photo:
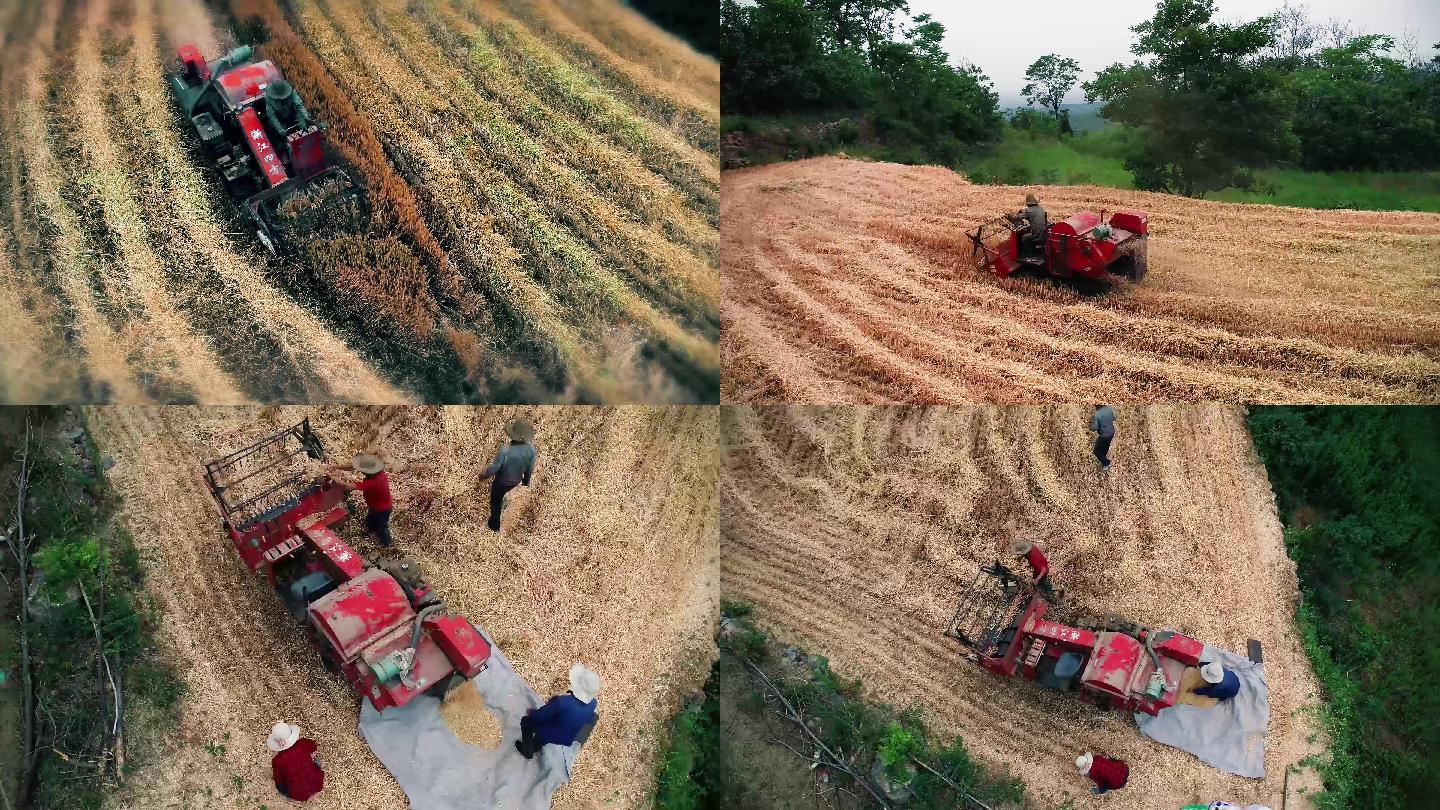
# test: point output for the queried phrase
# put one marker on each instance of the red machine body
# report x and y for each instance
(273, 160)
(1116, 664)
(1085, 246)
(381, 628)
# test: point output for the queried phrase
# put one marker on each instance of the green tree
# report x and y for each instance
(925, 100)
(778, 55)
(1356, 108)
(1048, 79)
(860, 23)
(1205, 104)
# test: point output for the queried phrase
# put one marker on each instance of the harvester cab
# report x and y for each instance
(256, 133)
(1002, 625)
(382, 628)
(1085, 246)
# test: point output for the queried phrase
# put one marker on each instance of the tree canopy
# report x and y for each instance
(1048, 79)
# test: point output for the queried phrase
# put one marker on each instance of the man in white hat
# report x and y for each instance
(1039, 563)
(375, 486)
(563, 717)
(511, 468)
(296, 773)
(1108, 774)
(1220, 683)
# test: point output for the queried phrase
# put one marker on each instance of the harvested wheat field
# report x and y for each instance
(850, 281)
(853, 531)
(608, 558)
(542, 187)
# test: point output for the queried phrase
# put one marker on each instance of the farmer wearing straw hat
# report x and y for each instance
(512, 467)
(1220, 683)
(1039, 563)
(1107, 774)
(375, 486)
(296, 773)
(563, 717)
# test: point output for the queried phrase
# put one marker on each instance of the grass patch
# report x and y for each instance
(87, 609)
(688, 777)
(887, 747)
(1356, 491)
(1098, 158)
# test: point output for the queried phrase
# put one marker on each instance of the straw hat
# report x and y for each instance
(584, 683)
(1212, 672)
(520, 430)
(282, 736)
(1019, 548)
(1083, 762)
(368, 464)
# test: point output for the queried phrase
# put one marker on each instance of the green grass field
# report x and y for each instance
(1096, 157)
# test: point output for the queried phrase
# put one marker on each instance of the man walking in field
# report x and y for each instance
(1102, 424)
(511, 468)
(375, 486)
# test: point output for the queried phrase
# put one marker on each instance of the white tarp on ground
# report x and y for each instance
(1229, 736)
(439, 772)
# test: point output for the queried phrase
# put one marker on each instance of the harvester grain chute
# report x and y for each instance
(255, 132)
(382, 628)
(1085, 246)
(1002, 625)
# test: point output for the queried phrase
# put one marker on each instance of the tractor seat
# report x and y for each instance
(1067, 665)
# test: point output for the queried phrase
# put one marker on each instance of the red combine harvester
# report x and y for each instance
(1085, 246)
(383, 629)
(1118, 664)
(255, 131)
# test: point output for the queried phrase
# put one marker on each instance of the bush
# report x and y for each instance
(689, 769)
(1049, 176)
(847, 132)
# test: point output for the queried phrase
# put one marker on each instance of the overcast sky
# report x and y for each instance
(1003, 39)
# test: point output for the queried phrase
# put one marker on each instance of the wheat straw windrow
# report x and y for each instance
(854, 530)
(542, 189)
(848, 281)
(609, 557)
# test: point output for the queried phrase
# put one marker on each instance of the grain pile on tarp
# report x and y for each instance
(439, 770)
(608, 558)
(854, 530)
(848, 281)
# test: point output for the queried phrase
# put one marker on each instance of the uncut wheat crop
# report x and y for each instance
(543, 191)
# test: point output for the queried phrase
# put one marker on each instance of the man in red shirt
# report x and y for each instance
(1039, 563)
(296, 773)
(1107, 774)
(375, 486)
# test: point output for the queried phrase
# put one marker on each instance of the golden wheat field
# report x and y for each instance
(854, 530)
(542, 182)
(608, 558)
(852, 281)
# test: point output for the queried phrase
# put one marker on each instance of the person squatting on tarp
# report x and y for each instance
(512, 467)
(1102, 424)
(296, 773)
(1220, 683)
(375, 486)
(1107, 774)
(563, 717)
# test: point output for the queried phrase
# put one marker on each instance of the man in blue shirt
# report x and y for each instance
(1102, 424)
(563, 717)
(1220, 683)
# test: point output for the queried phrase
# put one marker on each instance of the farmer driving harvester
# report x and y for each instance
(284, 110)
(1035, 217)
